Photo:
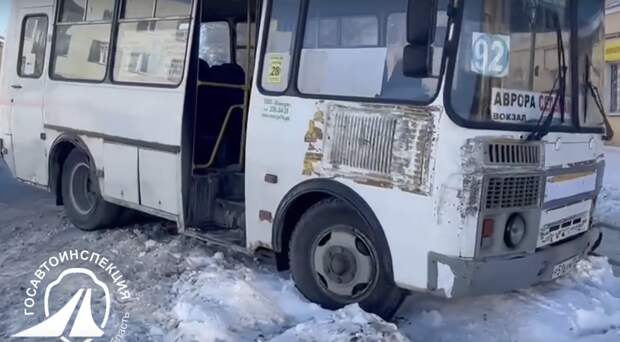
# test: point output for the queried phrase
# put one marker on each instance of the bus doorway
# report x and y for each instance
(226, 45)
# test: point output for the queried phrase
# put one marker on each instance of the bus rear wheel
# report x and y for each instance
(337, 259)
(83, 202)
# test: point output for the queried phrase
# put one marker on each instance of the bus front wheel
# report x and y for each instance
(337, 259)
(83, 203)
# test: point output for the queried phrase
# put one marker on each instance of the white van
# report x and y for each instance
(376, 147)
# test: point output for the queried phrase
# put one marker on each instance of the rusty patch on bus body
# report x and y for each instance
(473, 170)
(385, 146)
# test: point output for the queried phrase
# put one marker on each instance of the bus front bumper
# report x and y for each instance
(458, 277)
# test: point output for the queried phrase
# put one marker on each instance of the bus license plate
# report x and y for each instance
(565, 267)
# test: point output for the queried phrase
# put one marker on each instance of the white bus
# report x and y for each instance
(376, 147)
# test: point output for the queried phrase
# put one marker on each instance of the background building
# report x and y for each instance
(612, 57)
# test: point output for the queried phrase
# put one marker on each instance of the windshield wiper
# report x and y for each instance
(596, 95)
(559, 94)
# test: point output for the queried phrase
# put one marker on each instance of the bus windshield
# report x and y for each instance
(509, 67)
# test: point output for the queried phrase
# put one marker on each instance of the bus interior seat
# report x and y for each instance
(203, 70)
(223, 89)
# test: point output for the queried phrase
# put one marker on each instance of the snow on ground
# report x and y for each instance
(609, 202)
(188, 291)
(608, 207)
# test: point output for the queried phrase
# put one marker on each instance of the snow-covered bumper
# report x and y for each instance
(459, 277)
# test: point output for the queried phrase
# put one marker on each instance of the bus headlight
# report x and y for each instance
(515, 231)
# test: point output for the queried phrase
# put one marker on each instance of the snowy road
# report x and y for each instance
(186, 291)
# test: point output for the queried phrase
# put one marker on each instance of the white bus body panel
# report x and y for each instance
(146, 114)
(411, 224)
(120, 171)
(27, 102)
(131, 132)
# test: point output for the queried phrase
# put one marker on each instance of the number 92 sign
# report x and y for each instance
(490, 54)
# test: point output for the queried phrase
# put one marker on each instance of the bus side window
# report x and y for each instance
(279, 50)
(82, 27)
(151, 42)
(33, 45)
(342, 38)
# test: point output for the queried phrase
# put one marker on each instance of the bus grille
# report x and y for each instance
(513, 154)
(363, 142)
(513, 192)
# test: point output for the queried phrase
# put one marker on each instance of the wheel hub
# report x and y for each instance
(81, 189)
(343, 263)
(340, 265)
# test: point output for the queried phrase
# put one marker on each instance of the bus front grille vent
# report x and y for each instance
(513, 192)
(363, 142)
(513, 154)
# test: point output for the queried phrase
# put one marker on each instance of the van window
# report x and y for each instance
(81, 52)
(133, 9)
(360, 31)
(215, 43)
(151, 50)
(82, 40)
(33, 45)
(342, 38)
(279, 50)
(242, 46)
(323, 32)
(138, 9)
(73, 11)
(173, 8)
(100, 10)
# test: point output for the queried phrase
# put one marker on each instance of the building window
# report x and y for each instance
(99, 52)
(152, 42)
(33, 45)
(82, 40)
(614, 96)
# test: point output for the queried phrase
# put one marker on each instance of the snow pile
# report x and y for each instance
(222, 297)
(608, 206)
(348, 324)
(582, 307)
(219, 298)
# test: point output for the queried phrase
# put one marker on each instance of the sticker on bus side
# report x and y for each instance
(276, 65)
(517, 106)
(490, 54)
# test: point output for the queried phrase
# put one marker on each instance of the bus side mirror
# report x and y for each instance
(421, 24)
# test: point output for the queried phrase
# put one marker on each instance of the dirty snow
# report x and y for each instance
(185, 290)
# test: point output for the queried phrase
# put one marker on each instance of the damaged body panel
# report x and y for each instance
(380, 146)
(503, 178)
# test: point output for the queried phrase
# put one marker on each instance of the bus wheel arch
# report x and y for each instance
(59, 152)
(303, 197)
(315, 206)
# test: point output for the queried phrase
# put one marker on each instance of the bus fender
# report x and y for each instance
(299, 199)
(59, 150)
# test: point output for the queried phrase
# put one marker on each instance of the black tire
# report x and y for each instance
(314, 240)
(80, 192)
